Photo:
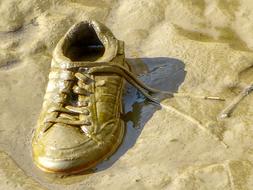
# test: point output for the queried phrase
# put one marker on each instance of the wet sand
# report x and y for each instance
(189, 46)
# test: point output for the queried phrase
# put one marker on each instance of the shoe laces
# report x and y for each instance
(67, 114)
(77, 115)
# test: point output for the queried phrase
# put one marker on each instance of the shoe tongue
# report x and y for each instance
(63, 137)
(103, 34)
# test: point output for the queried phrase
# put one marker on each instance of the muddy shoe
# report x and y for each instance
(80, 124)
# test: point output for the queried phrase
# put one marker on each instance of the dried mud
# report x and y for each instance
(202, 47)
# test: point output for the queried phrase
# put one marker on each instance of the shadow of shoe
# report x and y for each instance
(162, 73)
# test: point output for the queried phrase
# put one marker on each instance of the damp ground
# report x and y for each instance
(196, 47)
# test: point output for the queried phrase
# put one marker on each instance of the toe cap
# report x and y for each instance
(67, 150)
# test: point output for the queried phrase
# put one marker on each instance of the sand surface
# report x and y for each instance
(201, 47)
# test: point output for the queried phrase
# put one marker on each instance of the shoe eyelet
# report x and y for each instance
(86, 104)
(87, 112)
(83, 104)
(84, 69)
(88, 123)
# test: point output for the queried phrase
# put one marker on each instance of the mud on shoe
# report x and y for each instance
(79, 124)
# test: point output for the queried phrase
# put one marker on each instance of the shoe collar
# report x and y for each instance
(105, 36)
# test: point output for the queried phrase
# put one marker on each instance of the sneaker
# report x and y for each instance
(80, 125)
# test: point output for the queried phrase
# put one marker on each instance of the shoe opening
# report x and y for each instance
(83, 44)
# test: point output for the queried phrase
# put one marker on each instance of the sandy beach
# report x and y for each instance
(198, 47)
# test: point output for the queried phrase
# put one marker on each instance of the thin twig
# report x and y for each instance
(198, 96)
(230, 108)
